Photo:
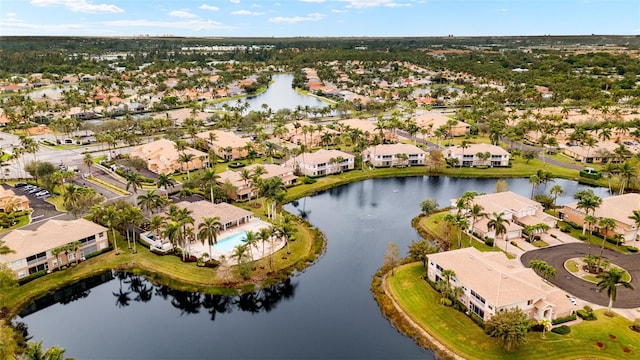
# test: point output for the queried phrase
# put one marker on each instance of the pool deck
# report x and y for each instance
(255, 224)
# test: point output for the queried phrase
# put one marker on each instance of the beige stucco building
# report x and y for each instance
(245, 189)
(320, 163)
(492, 283)
(162, 157)
(386, 155)
(468, 156)
(225, 144)
(33, 247)
(10, 202)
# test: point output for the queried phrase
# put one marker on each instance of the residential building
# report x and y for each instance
(619, 208)
(434, 121)
(34, 246)
(225, 144)
(601, 152)
(322, 162)
(391, 155)
(369, 128)
(162, 157)
(10, 202)
(471, 155)
(245, 189)
(492, 283)
(518, 210)
(228, 214)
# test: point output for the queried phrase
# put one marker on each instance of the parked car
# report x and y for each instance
(20, 184)
(40, 193)
(34, 190)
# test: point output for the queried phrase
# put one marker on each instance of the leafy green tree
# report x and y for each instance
(7, 282)
(510, 327)
(428, 205)
(418, 251)
(609, 281)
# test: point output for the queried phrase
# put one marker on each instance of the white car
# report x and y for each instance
(573, 301)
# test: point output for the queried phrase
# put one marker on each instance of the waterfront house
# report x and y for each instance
(492, 283)
(322, 162)
(34, 246)
(225, 144)
(472, 155)
(245, 188)
(386, 155)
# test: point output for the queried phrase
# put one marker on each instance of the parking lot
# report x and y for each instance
(41, 209)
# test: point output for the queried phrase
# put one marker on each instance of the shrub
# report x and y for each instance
(445, 301)
(562, 330)
(536, 327)
(582, 237)
(632, 249)
(488, 241)
(33, 276)
(236, 165)
(565, 229)
(553, 236)
(587, 316)
(308, 180)
(478, 320)
(636, 324)
(514, 243)
(565, 319)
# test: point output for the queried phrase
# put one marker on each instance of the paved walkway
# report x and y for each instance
(585, 290)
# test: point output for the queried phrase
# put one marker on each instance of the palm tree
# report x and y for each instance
(588, 202)
(497, 224)
(590, 220)
(609, 280)
(555, 191)
(476, 212)
(208, 230)
(186, 159)
(134, 180)
(251, 240)
(149, 201)
(111, 218)
(636, 220)
(606, 225)
(164, 181)
(88, 160)
(34, 352)
(209, 180)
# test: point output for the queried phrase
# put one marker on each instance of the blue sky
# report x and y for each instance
(265, 18)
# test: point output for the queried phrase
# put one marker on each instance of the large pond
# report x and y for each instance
(326, 312)
(280, 95)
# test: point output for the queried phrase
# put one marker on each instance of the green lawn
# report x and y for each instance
(432, 225)
(572, 266)
(171, 271)
(459, 333)
(596, 241)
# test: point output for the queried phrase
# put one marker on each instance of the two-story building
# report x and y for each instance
(492, 283)
(387, 155)
(162, 157)
(619, 208)
(10, 202)
(478, 155)
(225, 144)
(245, 188)
(34, 247)
(322, 162)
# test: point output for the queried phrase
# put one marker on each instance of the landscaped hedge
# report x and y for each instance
(32, 277)
(588, 316)
(632, 249)
(562, 330)
(236, 165)
(565, 319)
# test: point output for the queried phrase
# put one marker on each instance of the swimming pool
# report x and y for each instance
(227, 244)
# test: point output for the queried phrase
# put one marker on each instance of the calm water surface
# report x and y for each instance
(280, 95)
(325, 312)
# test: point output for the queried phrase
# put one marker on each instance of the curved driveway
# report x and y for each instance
(557, 255)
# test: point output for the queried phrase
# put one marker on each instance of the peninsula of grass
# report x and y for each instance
(169, 270)
(453, 330)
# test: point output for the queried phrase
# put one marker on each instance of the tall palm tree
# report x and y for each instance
(636, 220)
(208, 180)
(609, 280)
(208, 230)
(497, 224)
(251, 240)
(111, 218)
(588, 202)
(606, 225)
(589, 220)
(186, 159)
(476, 212)
(88, 160)
(555, 191)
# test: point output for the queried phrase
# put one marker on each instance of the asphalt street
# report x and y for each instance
(556, 257)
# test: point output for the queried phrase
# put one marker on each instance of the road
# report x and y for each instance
(585, 290)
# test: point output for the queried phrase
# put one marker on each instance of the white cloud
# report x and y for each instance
(337, 11)
(235, 1)
(504, 10)
(209, 7)
(189, 25)
(359, 4)
(246, 12)
(11, 14)
(183, 14)
(313, 1)
(297, 19)
(79, 6)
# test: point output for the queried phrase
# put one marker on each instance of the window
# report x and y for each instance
(101, 234)
(71, 256)
(22, 274)
(529, 302)
(477, 297)
(476, 310)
